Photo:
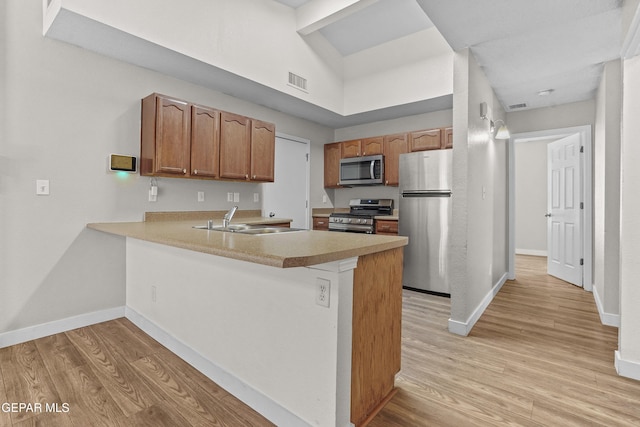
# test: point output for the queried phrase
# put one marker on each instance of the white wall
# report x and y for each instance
(258, 40)
(64, 109)
(531, 197)
(628, 355)
(479, 241)
(607, 193)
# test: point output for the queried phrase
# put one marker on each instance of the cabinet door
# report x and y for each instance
(263, 145)
(425, 140)
(394, 145)
(385, 226)
(447, 138)
(332, 156)
(320, 223)
(205, 142)
(351, 149)
(235, 146)
(165, 141)
(372, 146)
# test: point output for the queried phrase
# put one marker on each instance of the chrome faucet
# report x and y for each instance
(227, 217)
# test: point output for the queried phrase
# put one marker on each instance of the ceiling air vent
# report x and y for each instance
(297, 81)
(516, 106)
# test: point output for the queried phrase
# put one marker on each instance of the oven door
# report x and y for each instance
(351, 228)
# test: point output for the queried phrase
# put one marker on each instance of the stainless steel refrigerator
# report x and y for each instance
(425, 217)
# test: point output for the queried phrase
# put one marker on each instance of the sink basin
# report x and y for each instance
(248, 229)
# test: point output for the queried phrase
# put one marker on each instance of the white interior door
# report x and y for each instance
(564, 225)
(288, 196)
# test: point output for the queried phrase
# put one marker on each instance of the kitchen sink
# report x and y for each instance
(248, 229)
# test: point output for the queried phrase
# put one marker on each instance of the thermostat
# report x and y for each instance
(122, 163)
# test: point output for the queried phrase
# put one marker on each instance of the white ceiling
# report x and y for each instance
(524, 46)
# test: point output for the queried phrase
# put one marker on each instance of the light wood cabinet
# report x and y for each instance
(386, 226)
(372, 146)
(205, 142)
(332, 156)
(351, 148)
(263, 140)
(430, 139)
(447, 138)
(321, 223)
(235, 146)
(394, 145)
(165, 136)
(180, 139)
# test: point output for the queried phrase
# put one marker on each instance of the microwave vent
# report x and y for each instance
(297, 81)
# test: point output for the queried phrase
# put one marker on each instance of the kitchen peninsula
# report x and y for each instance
(303, 326)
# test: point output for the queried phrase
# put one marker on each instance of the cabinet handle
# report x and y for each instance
(184, 171)
(195, 172)
(246, 176)
(254, 177)
(321, 222)
(386, 182)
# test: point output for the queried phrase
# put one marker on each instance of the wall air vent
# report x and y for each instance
(516, 106)
(297, 81)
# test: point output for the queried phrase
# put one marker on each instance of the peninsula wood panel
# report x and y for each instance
(377, 323)
(205, 142)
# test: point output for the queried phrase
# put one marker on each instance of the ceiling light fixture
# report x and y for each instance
(545, 92)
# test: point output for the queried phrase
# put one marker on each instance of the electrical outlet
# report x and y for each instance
(324, 198)
(236, 197)
(323, 292)
(42, 187)
(229, 197)
(201, 196)
(153, 197)
(256, 197)
(154, 293)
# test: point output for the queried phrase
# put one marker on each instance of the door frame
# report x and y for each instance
(587, 195)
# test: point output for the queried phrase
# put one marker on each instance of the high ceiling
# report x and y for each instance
(524, 46)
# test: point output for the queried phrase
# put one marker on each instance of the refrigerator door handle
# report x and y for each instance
(426, 193)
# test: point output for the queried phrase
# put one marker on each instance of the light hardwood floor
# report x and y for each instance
(538, 357)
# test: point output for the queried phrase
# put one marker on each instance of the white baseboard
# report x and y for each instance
(252, 397)
(45, 329)
(534, 252)
(463, 328)
(608, 319)
(627, 368)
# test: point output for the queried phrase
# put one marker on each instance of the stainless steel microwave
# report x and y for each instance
(368, 170)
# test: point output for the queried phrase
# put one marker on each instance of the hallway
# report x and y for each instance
(538, 356)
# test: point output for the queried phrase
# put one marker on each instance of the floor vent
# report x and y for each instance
(297, 81)
(516, 106)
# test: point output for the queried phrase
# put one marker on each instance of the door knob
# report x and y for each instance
(548, 215)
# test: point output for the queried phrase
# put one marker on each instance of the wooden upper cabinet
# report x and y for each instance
(332, 156)
(430, 139)
(351, 148)
(263, 145)
(394, 145)
(205, 142)
(165, 136)
(447, 138)
(372, 146)
(235, 146)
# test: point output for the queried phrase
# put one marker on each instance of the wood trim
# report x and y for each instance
(377, 322)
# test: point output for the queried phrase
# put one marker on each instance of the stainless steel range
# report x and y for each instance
(359, 219)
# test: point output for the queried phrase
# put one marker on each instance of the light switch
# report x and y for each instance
(42, 187)
(201, 196)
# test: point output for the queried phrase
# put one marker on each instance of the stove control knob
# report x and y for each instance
(349, 220)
